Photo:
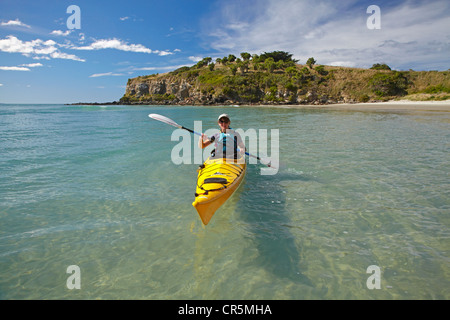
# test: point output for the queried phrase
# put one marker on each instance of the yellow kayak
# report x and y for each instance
(217, 180)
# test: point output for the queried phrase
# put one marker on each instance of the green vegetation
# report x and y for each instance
(269, 77)
(437, 89)
(311, 62)
(275, 77)
(389, 84)
(277, 56)
(379, 66)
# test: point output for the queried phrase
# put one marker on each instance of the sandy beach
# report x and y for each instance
(401, 105)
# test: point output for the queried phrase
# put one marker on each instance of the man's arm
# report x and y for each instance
(203, 142)
(241, 144)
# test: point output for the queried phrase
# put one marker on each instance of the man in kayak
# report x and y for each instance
(228, 143)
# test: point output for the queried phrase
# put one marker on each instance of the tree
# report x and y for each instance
(291, 87)
(269, 64)
(292, 72)
(277, 56)
(204, 62)
(200, 64)
(311, 62)
(207, 60)
(211, 67)
(233, 69)
(246, 56)
(231, 58)
(246, 65)
(243, 66)
(280, 64)
(379, 66)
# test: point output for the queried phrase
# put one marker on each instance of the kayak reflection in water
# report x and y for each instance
(228, 143)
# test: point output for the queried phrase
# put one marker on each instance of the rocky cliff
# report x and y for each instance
(282, 82)
(166, 89)
(159, 89)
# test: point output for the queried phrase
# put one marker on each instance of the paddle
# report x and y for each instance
(170, 122)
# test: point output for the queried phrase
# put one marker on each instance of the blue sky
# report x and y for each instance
(42, 61)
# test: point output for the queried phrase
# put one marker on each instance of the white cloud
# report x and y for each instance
(32, 65)
(37, 49)
(124, 18)
(12, 44)
(115, 44)
(160, 68)
(162, 53)
(61, 33)
(342, 63)
(195, 59)
(122, 46)
(1, 84)
(16, 23)
(413, 33)
(66, 56)
(22, 67)
(14, 68)
(40, 58)
(108, 74)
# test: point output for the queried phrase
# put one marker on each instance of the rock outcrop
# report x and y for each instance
(149, 90)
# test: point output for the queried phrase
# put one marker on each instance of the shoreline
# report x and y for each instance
(393, 105)
(400, 105)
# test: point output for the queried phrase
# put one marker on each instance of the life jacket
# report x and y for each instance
(222, 140)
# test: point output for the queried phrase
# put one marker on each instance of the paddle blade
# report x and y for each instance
(164, 119)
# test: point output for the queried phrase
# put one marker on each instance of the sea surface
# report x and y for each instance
(359, 208)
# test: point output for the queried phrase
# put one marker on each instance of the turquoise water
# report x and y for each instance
(95, 187)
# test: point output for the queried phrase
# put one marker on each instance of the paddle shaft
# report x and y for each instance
(191, 131)
(248, 154)
(199, 134)
(173, 123)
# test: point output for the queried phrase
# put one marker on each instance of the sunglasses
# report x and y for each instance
(224, 121)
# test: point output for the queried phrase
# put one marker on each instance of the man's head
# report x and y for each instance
(224, 121)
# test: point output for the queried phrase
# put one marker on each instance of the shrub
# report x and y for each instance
(389, 84)
(437, 89)
(379, 66)
(291, 87)
(180, 70)
(229, 92)
(233, 69)
(364, 98)
(321, 70)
